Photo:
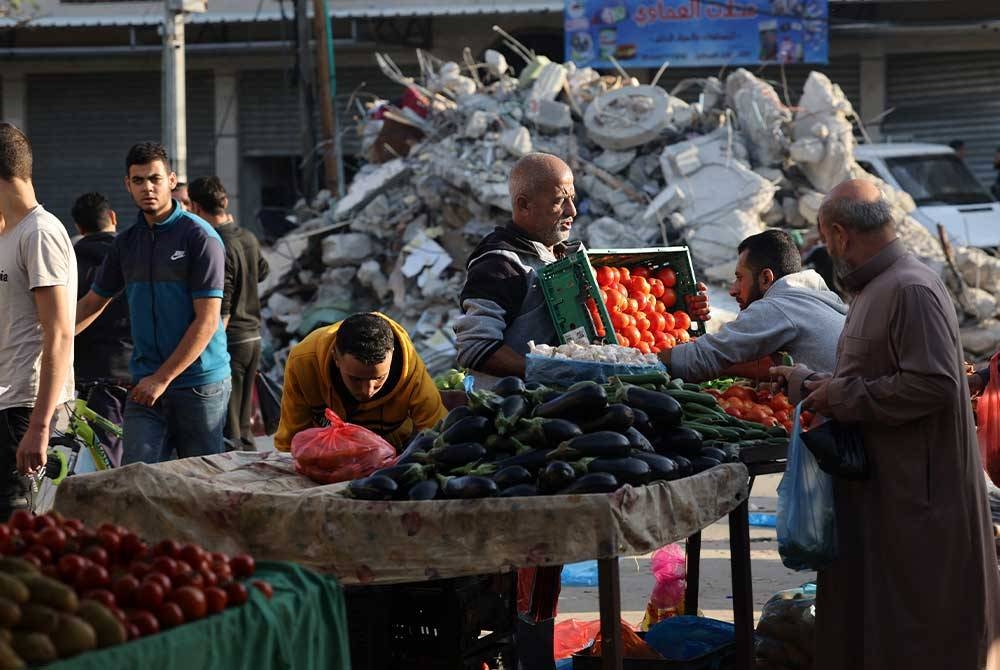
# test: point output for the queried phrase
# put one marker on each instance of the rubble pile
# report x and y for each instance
(650, 168)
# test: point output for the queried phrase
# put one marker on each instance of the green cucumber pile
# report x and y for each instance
(527, 440)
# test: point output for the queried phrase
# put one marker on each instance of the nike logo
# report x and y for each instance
(177, 255)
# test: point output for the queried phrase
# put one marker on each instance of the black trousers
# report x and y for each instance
(244, 359)
(13, 425)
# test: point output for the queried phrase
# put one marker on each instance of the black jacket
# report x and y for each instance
(245, 268)
(104, 349)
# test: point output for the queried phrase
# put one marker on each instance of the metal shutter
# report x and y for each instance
(82, 126)
(947, 96)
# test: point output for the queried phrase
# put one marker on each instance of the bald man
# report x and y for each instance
(915, 582)
(502, 302)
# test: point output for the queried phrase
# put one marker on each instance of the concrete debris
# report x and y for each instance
(650, 170)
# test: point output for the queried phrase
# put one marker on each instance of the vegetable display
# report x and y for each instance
(524, 440)
(451, 380)
(758, 406)
(640, 303)
(66, 589)
(602, 353)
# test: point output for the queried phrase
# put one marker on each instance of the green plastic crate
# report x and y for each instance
(570, 282)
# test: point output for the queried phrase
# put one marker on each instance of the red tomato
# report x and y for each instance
(133, 631)
(215, 599)
(22, 520)
(6, 532)
(243, 566)
(150, 595)
(92, 576)
(103, 596)
(734, 411)
(616, 300)
(633, 305)
(648, 337)
(618, 320)
(222, 570)
(97, 554)
(125, 589)
(167, 548)
(170, 615)
(681, 335)
(237, 594)
(669, 298)
(159, 578)
(208, 577)
(263, 587)
(642, 323)
(33, 559)
(110, 540)
(189, 579)
(605, 276)
(658, 322)
(70, 566)
(45, 521)
(191, 600)
(671, 324)
(640, 271)
(741, 392)
(119, 614)
(639, 286)
(781, 402)
(144, 621)
(667, 276)
(682, 320)
(644, 347)
(166, 565)
(805, 418)
(656, 287)
(661, 308)
(624, 276)
(755, 414)
(75, 524)
(54, 539)
(669, 342)
(131, 547)
(622, 339)
(139, 568)
(42, 552)
(633, 334)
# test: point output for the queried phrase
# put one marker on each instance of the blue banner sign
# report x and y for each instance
(688, 33)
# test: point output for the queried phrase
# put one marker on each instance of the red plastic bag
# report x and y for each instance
(572, 636)
(988, 415)
(339, 452)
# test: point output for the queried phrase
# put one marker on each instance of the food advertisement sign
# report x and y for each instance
(690, 33)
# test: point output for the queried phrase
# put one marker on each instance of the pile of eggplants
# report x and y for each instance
(526, 440)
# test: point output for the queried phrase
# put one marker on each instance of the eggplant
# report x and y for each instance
(684, 441)
(374, 487)
(455, 455)
(661, 467)
(531, 459)
(539, 394)
(469, 429)
(641, 423)
(703, 463)
(484, 403)
(637, 440)
(556, 476)
(425, 490)
(663, 411)
(582, 400)
(509, 386)
(603, 444)
(511, 411)
(546, 432)
(512, 475)
(626, 470)
(683, 465)
(617, 417)
(456, 415)
(519, 491)
(417, 447)
(470, 486)
(594, 482)
(405, 475)
(712, 452)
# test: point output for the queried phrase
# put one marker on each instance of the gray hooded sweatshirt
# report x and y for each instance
(798, 314)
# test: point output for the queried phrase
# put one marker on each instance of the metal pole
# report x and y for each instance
(174, 91)
(306, 101)
(329, 119)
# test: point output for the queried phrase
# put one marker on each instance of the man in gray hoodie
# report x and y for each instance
(782, 308)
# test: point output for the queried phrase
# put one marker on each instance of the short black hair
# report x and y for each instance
(367, 337)
(91, 212)
(15, 153)
(209, 194)
(773, 249)
(957, 144)
(145, 153)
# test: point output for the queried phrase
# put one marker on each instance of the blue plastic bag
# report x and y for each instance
(806, 526)
(562, 372)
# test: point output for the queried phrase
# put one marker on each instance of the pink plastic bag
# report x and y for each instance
(339, 452)
(669, 567)
(988, 418)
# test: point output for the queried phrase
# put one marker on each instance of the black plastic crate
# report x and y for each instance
(448, 623)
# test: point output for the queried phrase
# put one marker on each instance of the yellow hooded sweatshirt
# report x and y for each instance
(397, 413)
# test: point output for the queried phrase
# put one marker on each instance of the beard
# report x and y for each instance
(840, 267)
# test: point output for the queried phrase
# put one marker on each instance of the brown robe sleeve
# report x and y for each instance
(926, 375)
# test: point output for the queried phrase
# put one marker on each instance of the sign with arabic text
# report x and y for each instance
(691, 33)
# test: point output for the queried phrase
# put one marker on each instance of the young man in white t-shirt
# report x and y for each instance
(38, 291)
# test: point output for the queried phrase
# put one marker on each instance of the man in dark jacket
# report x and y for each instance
(104, 349)
(245, 268)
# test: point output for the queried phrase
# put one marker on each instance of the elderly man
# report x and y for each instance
(915, 584)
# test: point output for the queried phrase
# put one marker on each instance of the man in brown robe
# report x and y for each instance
(915, 584)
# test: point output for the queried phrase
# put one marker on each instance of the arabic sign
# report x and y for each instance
(647, 33)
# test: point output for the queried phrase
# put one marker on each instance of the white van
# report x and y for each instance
(941, 185)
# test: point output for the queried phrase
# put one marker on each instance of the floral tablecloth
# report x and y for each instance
(255, 502)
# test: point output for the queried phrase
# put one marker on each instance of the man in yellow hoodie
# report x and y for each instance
(366, 370)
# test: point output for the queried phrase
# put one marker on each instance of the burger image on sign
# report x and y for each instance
(625, 51)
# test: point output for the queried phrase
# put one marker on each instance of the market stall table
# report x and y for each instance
(255, 503)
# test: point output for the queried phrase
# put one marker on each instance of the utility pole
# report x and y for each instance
(324, 51)
(306, 100)
(174, 111)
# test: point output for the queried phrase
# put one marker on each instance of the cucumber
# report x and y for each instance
(684, 397)
(710, 432)
(694, 388)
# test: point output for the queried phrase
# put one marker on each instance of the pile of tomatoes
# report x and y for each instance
(759, 406)
(147, 588)
(639, 302)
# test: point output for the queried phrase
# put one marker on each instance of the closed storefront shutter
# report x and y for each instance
(83, 124)
(947, 96)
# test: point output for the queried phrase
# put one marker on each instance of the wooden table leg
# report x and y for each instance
(739, 549)
(693, 550)
(610, 597)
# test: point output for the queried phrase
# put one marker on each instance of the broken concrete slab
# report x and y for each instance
(669, 200)
(347, 249)
(762, 116)
(553, 115)
(368, 185)
(627, 117)
(615, 161)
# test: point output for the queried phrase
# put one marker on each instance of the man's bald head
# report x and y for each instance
(858, 205)
(534, 172)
